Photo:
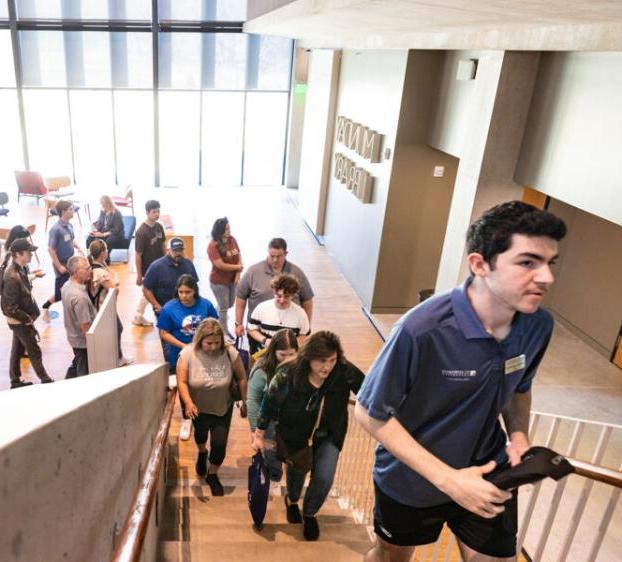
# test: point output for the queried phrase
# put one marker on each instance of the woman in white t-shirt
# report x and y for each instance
(205, 371)
(102, 280)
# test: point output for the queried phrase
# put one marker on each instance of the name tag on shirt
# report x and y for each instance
(67, 237)
(515, 364)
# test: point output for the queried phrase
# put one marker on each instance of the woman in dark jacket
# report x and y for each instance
(294, 399)
(109, 225)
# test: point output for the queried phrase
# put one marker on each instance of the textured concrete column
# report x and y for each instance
(486, 168)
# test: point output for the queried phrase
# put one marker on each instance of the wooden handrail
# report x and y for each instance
(135, 527)
(592, 471)
(598, 473)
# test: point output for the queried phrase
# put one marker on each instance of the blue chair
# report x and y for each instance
(129, 226)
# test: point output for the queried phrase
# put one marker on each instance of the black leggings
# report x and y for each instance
(218, 429)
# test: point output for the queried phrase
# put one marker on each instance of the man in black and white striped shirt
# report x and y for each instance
(271, 316)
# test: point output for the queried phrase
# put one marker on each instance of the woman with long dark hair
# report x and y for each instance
(283, 347)
(180, 317)
(205, 371)
(308, 397)
(224, 253)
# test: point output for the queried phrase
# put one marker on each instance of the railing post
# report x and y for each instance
(557, 496)
(604, 523)
(587, 488)
(550, 441)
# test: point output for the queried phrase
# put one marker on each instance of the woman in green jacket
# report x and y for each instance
(283, 347)
(317, 384)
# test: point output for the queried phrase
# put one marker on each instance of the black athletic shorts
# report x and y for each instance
(404, 525)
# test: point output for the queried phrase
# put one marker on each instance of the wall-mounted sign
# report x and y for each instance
(357, 180)
(361, 139)
(367, 143)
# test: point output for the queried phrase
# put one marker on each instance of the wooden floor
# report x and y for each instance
(256, 215)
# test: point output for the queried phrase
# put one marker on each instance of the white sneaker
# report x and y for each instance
(141, 321)
(46, 315)
(125, 361)
(185, 430)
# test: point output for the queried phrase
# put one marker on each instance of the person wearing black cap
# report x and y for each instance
(161, 278)
(21, 311)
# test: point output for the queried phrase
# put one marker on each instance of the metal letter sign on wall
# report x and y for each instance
(367, 144)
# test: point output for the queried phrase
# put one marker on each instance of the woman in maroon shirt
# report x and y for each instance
(224, 253)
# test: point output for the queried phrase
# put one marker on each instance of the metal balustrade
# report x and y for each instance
(570, 520)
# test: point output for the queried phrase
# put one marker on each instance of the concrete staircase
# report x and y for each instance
(197, 526)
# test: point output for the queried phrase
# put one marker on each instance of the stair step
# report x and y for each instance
(342, 551)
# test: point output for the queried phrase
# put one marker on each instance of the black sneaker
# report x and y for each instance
(19, 384)
(214, 485)
(201, 465)
(311, 530)
(293, 512)
(47, 380)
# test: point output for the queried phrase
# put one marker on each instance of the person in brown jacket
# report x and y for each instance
(21, 311)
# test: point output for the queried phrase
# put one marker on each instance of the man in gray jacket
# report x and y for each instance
(21, 311)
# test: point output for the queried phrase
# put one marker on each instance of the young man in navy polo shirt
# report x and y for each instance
(434, 394)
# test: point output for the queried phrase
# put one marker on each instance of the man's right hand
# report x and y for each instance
(62, 269)
(139, 280)
(239, 330)
(468, 488)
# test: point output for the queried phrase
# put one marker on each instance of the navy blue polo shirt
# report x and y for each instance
(446, 381)
(162, 276)
(60, 239)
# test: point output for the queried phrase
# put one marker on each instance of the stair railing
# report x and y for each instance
(132, 536)
(563, 505)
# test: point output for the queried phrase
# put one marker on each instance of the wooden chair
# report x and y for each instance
(127, 200)
(50, 210)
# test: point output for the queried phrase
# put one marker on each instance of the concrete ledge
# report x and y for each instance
(71, 454)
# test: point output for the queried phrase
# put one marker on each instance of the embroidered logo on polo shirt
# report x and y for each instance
(458, 374)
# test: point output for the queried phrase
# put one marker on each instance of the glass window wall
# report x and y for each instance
(93, 144)
(222, 98)
(11, 157)
(48, 132)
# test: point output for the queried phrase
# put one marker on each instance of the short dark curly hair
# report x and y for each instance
(491, 234)
(288, 283)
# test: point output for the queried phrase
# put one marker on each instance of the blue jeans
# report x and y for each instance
(325, 457)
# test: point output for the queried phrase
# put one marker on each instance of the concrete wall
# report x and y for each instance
(418, 203)
(498, 108)
(370, 93)
(71, 454)
(586, 293)
(456, 104)
(573, 140)
(317, 137)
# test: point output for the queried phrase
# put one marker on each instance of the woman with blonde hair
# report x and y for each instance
(206, 370)
(109, 225)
